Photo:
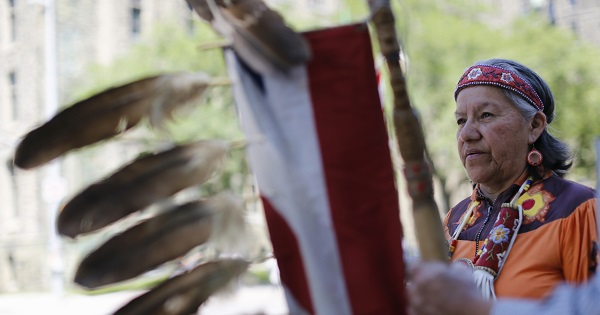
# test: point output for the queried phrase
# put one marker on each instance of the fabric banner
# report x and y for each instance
(319, 149)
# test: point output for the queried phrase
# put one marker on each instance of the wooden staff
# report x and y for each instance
(411, 143)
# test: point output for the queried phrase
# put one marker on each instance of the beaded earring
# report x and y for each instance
(535, 157)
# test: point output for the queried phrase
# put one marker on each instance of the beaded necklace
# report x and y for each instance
(478, 236)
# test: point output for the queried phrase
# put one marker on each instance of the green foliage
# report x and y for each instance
(172, 48)
(168, 48)
(345, 12)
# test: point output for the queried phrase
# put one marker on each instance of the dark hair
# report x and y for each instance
(557, 154)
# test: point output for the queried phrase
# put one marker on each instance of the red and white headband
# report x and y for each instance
(494, 75)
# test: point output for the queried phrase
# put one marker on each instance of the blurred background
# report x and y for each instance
(55, 52)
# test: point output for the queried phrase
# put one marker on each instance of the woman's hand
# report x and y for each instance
(437, 288)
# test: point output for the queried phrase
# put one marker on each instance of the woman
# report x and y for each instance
(525, 228)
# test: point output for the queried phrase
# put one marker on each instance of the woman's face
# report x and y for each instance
(492, 137)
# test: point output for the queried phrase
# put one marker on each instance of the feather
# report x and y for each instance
(137, 185)
(258, 34)
(231, 233)
(107, 114)
(265, 31)
(182, 295)
(202, 9)
(158, 240)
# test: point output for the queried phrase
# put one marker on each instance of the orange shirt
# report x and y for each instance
(557, 241)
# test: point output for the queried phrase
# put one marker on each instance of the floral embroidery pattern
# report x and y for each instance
(535, 203)
(494, 249)
(474, 73)
(506, 77)
(499, 234)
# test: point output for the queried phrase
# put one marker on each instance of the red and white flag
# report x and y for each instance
(318, 147)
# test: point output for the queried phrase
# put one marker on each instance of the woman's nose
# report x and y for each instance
(468, 132)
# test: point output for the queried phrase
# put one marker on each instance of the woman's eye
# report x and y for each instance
(486, 115)
(460, 121)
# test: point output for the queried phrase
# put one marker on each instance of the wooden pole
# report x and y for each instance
(597, 144)
(410, 139)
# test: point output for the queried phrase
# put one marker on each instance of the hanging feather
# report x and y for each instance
(258, 34)
(139, 184)
(202, 9)
(162, 239)
(183, 295)
(231, 234)
(107, 114)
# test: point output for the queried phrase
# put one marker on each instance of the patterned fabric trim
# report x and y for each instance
(497, 76)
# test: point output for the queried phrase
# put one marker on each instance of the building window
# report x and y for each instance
(14, 187)
(14, 98)
(136, 13)
(13, 20)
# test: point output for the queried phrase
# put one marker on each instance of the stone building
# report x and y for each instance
(580, 16)
(46, 46)
(85, 32)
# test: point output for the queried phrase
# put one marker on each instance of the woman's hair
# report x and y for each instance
(557, 154)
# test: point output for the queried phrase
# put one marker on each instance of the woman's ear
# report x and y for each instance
(537, 126)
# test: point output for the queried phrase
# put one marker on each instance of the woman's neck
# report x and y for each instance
(492, 192)
(489, 195)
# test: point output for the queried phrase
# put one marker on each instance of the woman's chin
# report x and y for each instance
(477, 176)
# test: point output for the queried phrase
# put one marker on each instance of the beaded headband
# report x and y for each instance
(493, 75)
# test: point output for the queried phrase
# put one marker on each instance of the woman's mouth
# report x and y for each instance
(472, 155)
